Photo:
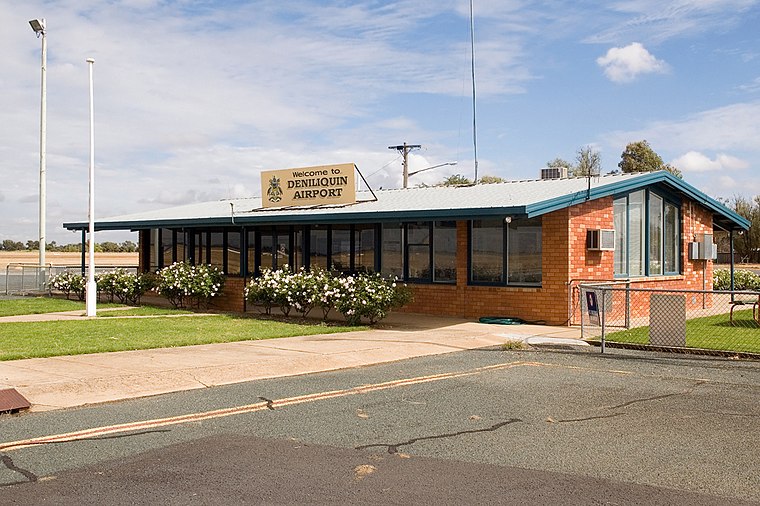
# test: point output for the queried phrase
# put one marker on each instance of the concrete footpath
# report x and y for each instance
(60, 382)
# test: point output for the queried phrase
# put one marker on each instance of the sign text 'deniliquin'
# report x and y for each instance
(307, 186)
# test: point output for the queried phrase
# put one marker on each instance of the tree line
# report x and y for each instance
(101, 247)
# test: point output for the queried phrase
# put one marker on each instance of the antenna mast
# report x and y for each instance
(472, 60)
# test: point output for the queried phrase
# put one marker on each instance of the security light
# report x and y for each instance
(38, 25)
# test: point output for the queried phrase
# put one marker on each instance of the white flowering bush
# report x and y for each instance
(68, 283)
(355, 297)
(743, 280)
(189, 285)
(125, 286)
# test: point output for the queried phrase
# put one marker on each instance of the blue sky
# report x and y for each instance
(194, 98)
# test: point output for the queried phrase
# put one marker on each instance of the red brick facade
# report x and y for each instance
(565, 263)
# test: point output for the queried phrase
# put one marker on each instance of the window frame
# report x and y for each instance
(667, 200)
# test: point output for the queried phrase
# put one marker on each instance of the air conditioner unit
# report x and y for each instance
(600, 239)
(553, 172)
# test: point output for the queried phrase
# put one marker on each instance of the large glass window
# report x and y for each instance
(418, 250)
(524, 252)
(636, 233)
(200, 248)
(216, 249)
(318, 247)
(487, 251)
(672, 237)
(646, 244)
(620, 207)
(181, 249)
(364, 248)
(445, 251)
(167, 247)
(233, 253)
(655, 234)
(340, 254)
(392, 257)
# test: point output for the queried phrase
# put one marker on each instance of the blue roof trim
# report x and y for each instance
(626, 186)
(266, 219)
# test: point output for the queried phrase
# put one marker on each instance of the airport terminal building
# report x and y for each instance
(505, 249)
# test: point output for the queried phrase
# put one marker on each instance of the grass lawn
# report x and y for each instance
(143, 311)
(709, 332)
(39, 305)
(54, 338)
(49, 339)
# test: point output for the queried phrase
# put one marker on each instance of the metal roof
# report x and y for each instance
(514, 198)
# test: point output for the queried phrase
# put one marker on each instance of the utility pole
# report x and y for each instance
(404, 149)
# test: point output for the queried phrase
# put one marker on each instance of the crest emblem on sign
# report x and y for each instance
(274, 192)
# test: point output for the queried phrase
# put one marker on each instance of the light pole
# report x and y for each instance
(38, 25)
(92, 288)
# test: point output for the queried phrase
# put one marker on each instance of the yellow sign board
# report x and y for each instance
(309, 186)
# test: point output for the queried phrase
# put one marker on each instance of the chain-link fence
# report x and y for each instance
(699, 320)
(20, 278)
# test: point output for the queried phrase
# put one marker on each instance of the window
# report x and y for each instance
(620, 207)
(392, 257)
(646, 243)
(655, 234)
(216, 249)
(318, 247)
(233, 253)
(636, 234)
(487, 251)
(418, 251)
(340, 253)
(445, 251)
(250, 254)
(167, 251)
(524, 252)
(672, 236)
(364, 248)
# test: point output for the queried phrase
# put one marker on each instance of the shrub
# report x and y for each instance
(362, 296)
(129, 287)
(194, 285)
(68, 283)
(743, 280)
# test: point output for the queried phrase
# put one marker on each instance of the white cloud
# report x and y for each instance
(624, 64)
(730, 128)
(694, 161)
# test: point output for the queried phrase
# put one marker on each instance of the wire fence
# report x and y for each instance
(704, 321)
(21, 278)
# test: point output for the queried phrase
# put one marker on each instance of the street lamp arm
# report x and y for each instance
(433, 167)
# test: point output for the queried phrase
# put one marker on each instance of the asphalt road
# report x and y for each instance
(484, 426)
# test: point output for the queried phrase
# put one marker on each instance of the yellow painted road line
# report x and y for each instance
(250, 408)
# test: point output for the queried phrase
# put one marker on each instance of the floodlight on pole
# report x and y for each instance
(38, 25)
(92, 287)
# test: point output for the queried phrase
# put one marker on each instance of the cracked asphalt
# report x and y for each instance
(477, 426)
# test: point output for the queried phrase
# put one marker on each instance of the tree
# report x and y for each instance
(561, 163)
(490, 180)
(456, 180)
(747, 244)
(640, 157)
(589, 162)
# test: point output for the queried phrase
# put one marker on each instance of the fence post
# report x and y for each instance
(601, 316)
(581, 295)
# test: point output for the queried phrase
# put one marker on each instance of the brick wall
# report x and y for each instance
(231, 298)
(565, 262)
